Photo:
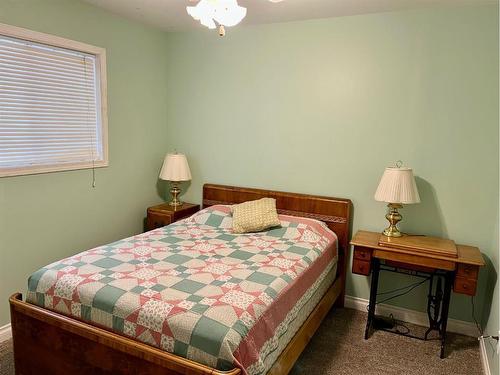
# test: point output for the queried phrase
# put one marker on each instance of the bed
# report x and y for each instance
(190, 298)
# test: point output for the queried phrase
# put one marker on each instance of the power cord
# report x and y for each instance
(397, 324)
(398, 289)
(478, 326)
(409, 287)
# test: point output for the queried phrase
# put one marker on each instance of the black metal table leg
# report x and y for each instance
(434, 304)
(373, 295)
(445, 308)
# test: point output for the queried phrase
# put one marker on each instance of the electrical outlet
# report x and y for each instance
(498, 343)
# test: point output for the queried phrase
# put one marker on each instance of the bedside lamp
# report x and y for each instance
(175, 169)
(397, 187)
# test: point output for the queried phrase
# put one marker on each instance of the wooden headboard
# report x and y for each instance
(335, 212)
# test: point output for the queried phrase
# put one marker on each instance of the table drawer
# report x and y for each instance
(362, 253)
(465, 286)
(155, 220)
(468, 271)
(361, 267)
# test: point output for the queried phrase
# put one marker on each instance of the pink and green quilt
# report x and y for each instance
(194, 288)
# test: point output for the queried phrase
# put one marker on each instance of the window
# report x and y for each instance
(52, 103)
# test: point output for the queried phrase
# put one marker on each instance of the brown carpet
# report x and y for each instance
(6, 358)
(338, 348)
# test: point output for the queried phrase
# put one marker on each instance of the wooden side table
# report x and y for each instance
(460, 273)
(165, 214)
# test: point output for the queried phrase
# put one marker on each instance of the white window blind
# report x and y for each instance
(50, 108)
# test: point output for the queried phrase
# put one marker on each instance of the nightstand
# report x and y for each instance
(165, 214)
(423, 257)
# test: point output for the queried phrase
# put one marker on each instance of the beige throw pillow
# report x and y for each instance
(255, 216)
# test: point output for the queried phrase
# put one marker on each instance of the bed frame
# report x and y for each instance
(46, 342)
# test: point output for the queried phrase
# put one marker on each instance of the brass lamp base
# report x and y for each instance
(394, 217)
(175, 191)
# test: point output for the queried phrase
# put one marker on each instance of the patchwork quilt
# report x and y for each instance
(194, 288)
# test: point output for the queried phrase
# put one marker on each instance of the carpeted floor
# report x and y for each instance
(338, 348)
(6, 359)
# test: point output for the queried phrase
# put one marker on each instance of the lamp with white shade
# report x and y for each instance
(397, 187)
(175, 169)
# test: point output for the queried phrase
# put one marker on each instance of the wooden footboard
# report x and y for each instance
(49, 343)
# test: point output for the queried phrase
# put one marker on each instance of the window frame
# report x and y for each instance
(101, 83)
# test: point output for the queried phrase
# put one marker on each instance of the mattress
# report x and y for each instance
(198, 290)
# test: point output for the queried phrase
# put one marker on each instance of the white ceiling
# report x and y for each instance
(170, 15)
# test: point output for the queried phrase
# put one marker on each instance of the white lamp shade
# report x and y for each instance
(397, 186)
(175, 168)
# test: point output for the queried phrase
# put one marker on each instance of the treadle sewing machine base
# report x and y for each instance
(444, 271)
(438, 301)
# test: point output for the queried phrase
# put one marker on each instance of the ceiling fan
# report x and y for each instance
(221, 13)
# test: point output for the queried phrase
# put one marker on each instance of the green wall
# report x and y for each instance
(47, 217)
(323, 106)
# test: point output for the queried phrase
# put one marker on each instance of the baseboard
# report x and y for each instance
(484, 357)
(412, 316)
(5, 333)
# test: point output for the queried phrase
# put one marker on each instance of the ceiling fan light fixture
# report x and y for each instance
(211, 13)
